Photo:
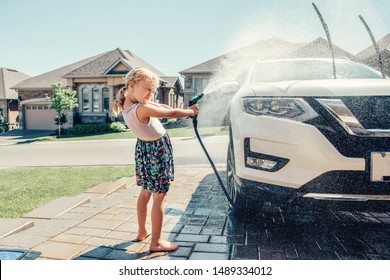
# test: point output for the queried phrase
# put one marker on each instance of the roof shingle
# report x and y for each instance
(95, 66)
(100, 65)
(383, 44)
(44, 81)
(9, 78)
(270, 49)
(320, 48)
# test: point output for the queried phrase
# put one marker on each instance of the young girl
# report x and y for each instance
(153, 151)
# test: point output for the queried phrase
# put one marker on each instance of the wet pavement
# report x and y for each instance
(275, 234)
(197, 219)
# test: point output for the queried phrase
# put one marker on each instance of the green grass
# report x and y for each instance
(25, 189)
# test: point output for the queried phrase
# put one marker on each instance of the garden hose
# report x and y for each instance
(193, 101)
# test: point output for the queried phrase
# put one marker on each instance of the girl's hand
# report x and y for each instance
(195, 109)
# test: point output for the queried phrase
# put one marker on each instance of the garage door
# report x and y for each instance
(39, 116)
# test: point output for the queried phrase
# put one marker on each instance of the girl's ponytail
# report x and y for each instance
(120, 99)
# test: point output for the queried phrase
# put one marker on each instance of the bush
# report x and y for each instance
(177, 123)
(117, 127)
(3, 127)
(82, 129)
(64, 131)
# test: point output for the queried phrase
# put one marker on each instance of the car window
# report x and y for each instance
(310, 70)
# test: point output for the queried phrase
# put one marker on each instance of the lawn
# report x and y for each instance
(25, 189)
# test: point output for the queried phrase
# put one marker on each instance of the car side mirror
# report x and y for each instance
(229, 87)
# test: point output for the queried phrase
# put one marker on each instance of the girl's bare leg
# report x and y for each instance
(157, 243)
(142, 210)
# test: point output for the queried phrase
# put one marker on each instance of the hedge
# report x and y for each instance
(82, 129)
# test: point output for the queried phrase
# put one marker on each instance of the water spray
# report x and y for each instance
(325, 26)
(193, 101)
(196, 98)
(376, 47)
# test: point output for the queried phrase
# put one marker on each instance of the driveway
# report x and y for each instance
(197, 218)
(13, 136)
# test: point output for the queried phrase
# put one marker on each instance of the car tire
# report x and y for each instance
(242, 205)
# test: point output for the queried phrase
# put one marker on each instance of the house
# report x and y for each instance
(233, 66)
(370, 57)
(96, 81)
(9, 97)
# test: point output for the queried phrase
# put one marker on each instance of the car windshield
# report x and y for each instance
(277, 71)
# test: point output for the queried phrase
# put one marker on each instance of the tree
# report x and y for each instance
(63, 99)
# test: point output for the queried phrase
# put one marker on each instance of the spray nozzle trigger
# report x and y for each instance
(195, 99)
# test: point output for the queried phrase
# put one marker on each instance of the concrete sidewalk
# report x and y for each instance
(102, 223)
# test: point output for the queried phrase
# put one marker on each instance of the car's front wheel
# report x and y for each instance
(241, 204)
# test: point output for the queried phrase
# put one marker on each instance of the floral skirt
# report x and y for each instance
(154, 166)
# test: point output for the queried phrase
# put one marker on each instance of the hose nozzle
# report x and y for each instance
(195, 99)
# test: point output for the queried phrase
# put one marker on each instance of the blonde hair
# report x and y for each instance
(135, 75)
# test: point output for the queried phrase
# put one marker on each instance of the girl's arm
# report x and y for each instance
(160, 105)
(146, 111)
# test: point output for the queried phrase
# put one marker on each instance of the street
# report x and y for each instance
(107, 152)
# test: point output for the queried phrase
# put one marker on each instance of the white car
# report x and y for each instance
(297, 134)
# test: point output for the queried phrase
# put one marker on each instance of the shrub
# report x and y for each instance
(117, 127)
(3, 127)
(177, 123)
(63, 131)
(82, 129)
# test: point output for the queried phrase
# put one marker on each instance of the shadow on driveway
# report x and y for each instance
(17, 135)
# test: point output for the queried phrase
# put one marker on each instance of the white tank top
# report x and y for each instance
(147, 132)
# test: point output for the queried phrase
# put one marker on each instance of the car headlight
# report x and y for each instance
(289, 108)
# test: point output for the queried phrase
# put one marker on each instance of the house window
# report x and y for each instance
(188, 82)
(198, 85)
(106, 100)
(172, 101)
(95, 100)
(85, 97)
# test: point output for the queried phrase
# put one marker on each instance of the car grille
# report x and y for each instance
(336, 122)
(373, 112)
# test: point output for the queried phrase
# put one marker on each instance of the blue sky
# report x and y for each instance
(173, 35)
